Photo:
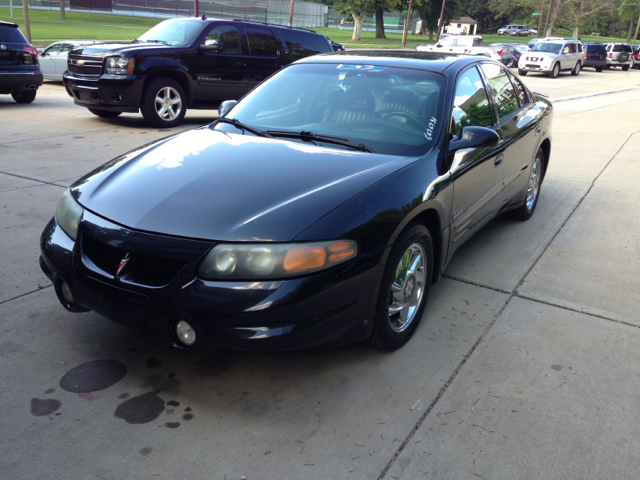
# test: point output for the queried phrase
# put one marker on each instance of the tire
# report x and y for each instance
(555, 71)
(625, 68)
(522, 73)
(104, 113)
(163, 103)
(24, 97)
(598, 69)
(576, 69)
(406, 280)
(532, 192)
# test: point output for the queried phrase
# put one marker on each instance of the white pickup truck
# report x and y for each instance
(470, 45)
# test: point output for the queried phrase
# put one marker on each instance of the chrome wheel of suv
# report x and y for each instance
(163, 103)
(555, 71)
(576, 69)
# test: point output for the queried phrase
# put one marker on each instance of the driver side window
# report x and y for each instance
(470, 103)
(53, 50)
(229, 37)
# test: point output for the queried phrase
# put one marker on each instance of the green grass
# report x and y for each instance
(47, 27)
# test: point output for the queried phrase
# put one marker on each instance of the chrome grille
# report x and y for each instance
(85, 65)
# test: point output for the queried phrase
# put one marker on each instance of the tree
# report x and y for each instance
(628, 12)
(358, 9)
(577, 15)
(63, 15)
(430, 14)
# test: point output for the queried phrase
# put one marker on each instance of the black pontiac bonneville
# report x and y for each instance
(317, 210)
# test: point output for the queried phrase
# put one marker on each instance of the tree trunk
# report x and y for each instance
(358, 20)
(576, 31)
(63, 15)
(633, 17)
(637, 27)
(423, 28)
(380, 23)
(554, 16)
(431, 34)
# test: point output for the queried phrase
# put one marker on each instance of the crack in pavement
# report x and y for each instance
(40, 182)
(512, 294)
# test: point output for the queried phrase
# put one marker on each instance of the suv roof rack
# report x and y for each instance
(271, 24)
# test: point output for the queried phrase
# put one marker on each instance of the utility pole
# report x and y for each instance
(11, 7)
(546, 23)
(540, 19)
(196, 8)
(440, 21)
(406, 26)
(291, 14)
(27, 25)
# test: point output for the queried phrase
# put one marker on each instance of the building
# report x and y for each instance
(458, 26)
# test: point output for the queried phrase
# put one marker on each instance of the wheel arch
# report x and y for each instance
(546, 148)
(180, 77)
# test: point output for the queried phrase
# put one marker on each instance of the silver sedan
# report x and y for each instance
(53, 59)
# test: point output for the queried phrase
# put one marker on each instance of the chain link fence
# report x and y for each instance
(305, 14)
(393, 21)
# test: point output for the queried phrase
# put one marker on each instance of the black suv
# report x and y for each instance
(20, 73)
(183, 63)
(595, 56)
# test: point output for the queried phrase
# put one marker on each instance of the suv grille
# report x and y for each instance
(152, 271)
(85, 65)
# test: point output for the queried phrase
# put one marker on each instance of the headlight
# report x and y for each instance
(68, 214)
(266, 261)
(119, 66)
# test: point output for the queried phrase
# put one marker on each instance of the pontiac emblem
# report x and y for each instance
(3, 47)
(80, 63)
(123, 262)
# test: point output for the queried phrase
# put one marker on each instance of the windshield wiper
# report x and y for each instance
(157, 41)
(242, 126)
(321, 138)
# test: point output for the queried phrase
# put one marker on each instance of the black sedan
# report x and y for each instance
(318, 209)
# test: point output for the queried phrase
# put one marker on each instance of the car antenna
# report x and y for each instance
(204, 17)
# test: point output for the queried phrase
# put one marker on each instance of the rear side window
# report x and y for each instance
(301, 44)
(262, 43)
(520, 92)
(503, 92)
(228, 36)
(11, 35)
(573, 48)
(621, 48)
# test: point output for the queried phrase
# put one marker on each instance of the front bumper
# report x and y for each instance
(161, 287)
(117, 93)
(534, 67)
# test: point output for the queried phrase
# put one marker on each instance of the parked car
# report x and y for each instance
(20, 73)
(54, 58)
(619, 55)
(319, 209)
(337, 47)
(595, 56)
(520, 32)
(533, 42)
(183, 63)
(507, 56)
(635, 58)
(470, 45)
(518, 51)
(553, 56)
(507, 29)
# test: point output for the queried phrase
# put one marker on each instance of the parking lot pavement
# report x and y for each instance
(519, 370)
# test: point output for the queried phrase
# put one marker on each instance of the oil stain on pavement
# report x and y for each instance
(93, 376)
(141, 409)
(40, 408)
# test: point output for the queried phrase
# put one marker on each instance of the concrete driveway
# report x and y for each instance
(525, 365)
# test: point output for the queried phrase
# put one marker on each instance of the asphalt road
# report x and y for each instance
(526, 364)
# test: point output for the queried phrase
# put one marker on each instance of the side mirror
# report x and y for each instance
(211, 45)
(225, 107)
(475, 137)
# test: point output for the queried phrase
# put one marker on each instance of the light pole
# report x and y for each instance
(406, 26)
(440, 21)
(291, 14)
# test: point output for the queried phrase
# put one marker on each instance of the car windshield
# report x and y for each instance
(173, 32)
(393, 111)
(547, 47)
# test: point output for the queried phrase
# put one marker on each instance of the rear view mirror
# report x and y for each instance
(475, 137)
(225, 107)
(211, 45)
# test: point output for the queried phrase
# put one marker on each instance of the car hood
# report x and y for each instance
(104, 49)
(209, 184)
(531, 53)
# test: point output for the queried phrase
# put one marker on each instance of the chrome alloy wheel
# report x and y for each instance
(534, 183)
(407, 288)
(168, 103)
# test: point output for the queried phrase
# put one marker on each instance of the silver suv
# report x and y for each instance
(507, 29)
(619, 55)
(551, 56)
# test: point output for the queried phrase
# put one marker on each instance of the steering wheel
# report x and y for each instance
(406, 118)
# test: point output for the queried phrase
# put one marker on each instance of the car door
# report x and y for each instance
(519, 127)
(265, 53)
(47, 61)
(222, 75)
(476, 173)
(61, 59)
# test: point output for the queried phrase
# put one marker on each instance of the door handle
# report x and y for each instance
(239, 65)
(498, 160)
(538, 131)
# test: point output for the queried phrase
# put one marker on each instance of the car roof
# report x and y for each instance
(205, 19)
(8, 24)
(430, 61)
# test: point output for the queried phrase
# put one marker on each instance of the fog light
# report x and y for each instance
(185, 333)
(66, 292)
